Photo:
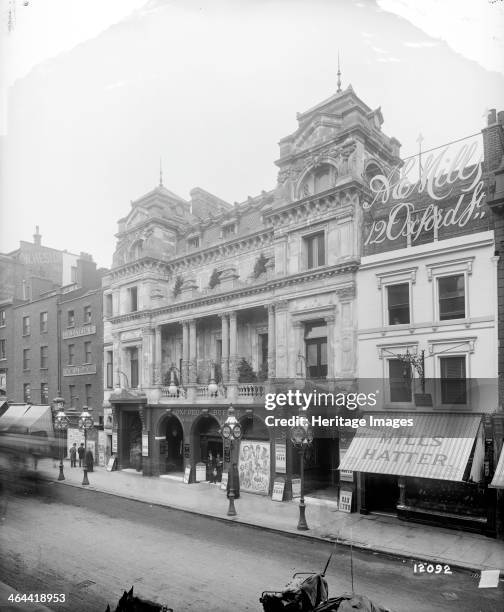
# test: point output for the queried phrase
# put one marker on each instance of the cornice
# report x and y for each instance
(207, 300)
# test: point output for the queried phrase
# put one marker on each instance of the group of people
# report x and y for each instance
(214, 468)
(85, 456)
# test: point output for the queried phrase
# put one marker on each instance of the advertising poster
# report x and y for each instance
(254, 466)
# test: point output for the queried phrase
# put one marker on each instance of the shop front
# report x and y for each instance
(431, 472)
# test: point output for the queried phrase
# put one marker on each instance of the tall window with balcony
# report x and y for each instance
(316, 349)
(134, 367)
(26, 326)
(44, 357)
(400, 376)
(26, 359)
(73, 396)
(451, 292)
(453, 379)
(398, 304)
(110, 370)
(44, 393)
(314, 247)
(43, 322)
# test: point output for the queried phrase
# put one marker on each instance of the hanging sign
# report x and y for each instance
(345, 501)
(187, 474)
(280, 457)
(296, 487)
(145, 444)
(278, 489)
(114, 441)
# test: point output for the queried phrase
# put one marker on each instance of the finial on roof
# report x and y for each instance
(160, 171)
(339, 76)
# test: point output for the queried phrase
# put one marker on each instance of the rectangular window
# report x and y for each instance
(110, 369)
(43, 322)
(315, 250)
(109, 309)
(27, 393)
(26, 359)
(87, 314)
(73, 396)
(70, 318)
(229, 230)
(3, 352)
(26, 326)
(71, 354)
(451, 297)
(87, 352)
(134, 367)
(316, 350)
(44, 357)
(398, 304)
(133, 299)
(194, 242)
(44, 393)
(2, 318)
(73, 274)
(453, 380)
(400, 381)
(89, 396)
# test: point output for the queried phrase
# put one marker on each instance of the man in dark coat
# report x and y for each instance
(73, 455)
(80, 451)
(89, 460)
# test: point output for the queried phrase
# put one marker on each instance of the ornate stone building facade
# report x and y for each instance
(209, 303)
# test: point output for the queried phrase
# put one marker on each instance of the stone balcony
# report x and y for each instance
(240, 393)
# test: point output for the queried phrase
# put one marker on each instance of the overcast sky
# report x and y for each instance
(98, 90)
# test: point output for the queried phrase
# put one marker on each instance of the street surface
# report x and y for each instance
(91, 546)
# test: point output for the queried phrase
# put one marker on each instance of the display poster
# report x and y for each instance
(102, 448)
(200, 472)
(254, 466)
(114, 441)
(296, 487)
(224, 481)
(280, 457)
(344, 443)
(278, 489)
(112, 464)
(345, 501)
(145, 444)
(187, 474)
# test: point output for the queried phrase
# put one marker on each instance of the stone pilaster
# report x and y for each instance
(225, 348)
(233, 348)
(185, 353)
(271, 342)
(192, 352)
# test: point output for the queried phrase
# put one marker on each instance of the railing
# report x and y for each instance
(165, 392)
(203, 392)
(250, 390)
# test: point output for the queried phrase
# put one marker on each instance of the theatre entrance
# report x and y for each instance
(171, 458)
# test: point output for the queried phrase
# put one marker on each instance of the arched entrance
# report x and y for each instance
(254, 461)
(207, 444)
(171, 455)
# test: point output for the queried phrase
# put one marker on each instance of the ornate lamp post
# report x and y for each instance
(301, 438)
(61, 423)
(231, 431)
(85, 424)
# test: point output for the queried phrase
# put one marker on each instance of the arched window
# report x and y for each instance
(320, 179)
(372, 169)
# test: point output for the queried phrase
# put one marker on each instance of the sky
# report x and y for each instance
(95, 92)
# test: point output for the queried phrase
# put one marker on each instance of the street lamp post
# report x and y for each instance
(231, 431)
(302, 437)
(60, 424)
(85, 424)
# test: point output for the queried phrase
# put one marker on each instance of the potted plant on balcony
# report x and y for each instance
(245, 372)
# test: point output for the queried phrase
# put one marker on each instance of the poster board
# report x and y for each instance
(345, 439)
(278, 489)
(345, 501)
(114, 442)
(187, 474)
(145, 444)
(102, 448)
(200, 472)
(224, 481)
(296, 487)
(254, 466)
(112, 464)
(280, 458)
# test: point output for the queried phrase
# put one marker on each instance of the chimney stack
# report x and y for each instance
(37, 238)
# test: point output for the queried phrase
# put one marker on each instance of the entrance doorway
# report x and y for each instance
(207, 443)
(382, 493)
(132, 441)
(171, 457)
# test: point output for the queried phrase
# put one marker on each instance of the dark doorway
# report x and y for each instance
(171, 448)
(382, 493)
(207, 442)
(132, 441)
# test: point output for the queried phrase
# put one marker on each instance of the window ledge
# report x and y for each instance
(44, 368)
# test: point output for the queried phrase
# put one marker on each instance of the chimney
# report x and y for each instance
(37, 238)
(493, 141)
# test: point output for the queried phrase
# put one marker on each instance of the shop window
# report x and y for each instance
(2, 318)
(134, 367)
(26, 393)
(451, 291)
(73, 396)
(400, 376)
(70, 318)
(87, 314)
(43, 322)
(316, 350)
(110, 369)
(26, 326)
(26, 359)
(87, 352)
(398, 304)
(44, 393)
(133, 299)
(71, 354)
(3, 352)
(43, 357)
(315, 250)
(453, 380)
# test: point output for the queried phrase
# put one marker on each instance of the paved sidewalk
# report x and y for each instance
(379, 533)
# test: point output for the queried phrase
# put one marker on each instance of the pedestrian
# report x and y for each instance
(73, 455)
(89, 460)
(80, 451)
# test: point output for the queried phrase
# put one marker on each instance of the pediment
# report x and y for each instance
(136, 217)
(316, 131)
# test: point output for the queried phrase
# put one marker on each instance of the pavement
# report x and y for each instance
(384, 534)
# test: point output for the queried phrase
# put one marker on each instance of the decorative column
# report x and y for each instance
(297, 361)
(192, 352)
(116, 358)
(271, 342)
(330, 321)
(346, 332)
(157, 375)
(185, 353)
(281, 344)
(147, 356)
(225, 348)
(233, 348)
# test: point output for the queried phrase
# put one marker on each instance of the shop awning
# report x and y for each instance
(438, 446)
(26, 418)
(498, 479)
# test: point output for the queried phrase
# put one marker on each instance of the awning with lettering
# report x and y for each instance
(437, 446)
(26, 418)
(498, 478)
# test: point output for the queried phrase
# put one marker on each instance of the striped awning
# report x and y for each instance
(498, 479)
(26, 418)
(438, 446)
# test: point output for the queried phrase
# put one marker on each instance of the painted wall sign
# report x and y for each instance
(145, 444)
(79, 370)
(280, 457)
(74, 332)
(254, 466)
(278, 489)
(345, 501)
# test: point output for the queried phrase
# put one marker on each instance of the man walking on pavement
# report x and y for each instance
(80, 452)
(73, 455)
